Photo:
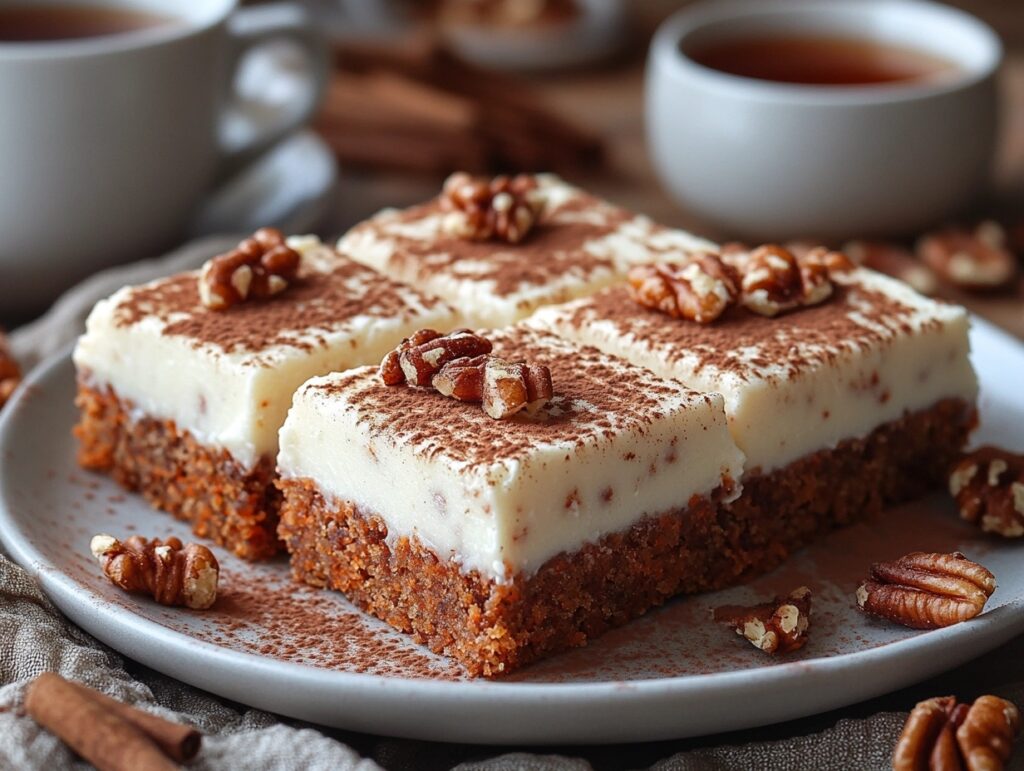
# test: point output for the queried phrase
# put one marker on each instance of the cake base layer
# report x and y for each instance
(791, 506)
(493, 628)
(234, 506)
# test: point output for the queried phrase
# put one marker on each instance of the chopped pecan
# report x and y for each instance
(700, 287)
(391, 367)
(988, 486)
(779, 626)
(774, 281)
(895, 261)
(988, 732)
(941, 734)
(503, 388)
(821, 257)
(973, 260)
(926, 590)
(510, 387)
(10, 372)
(462, 379)
(170, 573)
(504, 208)
(261, 266)
(422, 355)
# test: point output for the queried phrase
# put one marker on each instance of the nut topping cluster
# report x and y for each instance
(976, 259)
(418, 358)
(10, 372)
(700, 288)
(460, 365)
(504, 208)
(261, 266)
(941, 734)
(780, 626)
(170, 573)
(926, 590)
(988, 486)
(768, 280)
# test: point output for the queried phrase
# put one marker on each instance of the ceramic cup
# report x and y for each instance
(109, 144)
(763, 160)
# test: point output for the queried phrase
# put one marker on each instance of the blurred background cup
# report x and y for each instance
(769, 160)
(111, 141)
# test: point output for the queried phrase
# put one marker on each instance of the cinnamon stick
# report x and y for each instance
(92, 730)
(178, 741)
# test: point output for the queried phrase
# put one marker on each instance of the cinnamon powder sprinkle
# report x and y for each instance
(317, 302)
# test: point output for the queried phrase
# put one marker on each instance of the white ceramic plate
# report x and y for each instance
(308, 654)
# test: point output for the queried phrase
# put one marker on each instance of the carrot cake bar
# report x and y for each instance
(858, 400)
(182, 402)
(573, 245)
(497, 541)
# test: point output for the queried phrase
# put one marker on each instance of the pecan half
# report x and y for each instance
(976, 259)
(700, 287)
(895, 261)
(421, 356)
(261, 266)
(779, 626)
(774, 281)
(941, 734)
(10, 372)
(988, 732)
(926, 590)
(170, 573)
(988, 486)
(504, 208)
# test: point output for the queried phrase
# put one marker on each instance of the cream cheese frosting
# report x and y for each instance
(801, 382)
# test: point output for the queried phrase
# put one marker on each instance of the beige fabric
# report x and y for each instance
(35, 637)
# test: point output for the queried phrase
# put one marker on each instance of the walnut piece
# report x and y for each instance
(926, 590)
(504, 208)
(261, 266)
(975, 260)
(10, 372)
(988, 486)
(170, 573)
(895, 261)
(418, 358)
(941, 734)
(699, 287)
(775, 281)
(779, 626)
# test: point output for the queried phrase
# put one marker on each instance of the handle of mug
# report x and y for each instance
(251, 27)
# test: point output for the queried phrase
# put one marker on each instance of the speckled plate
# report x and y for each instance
(311, 655)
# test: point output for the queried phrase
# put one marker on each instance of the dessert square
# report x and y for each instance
(579, 244)
(499, 541)
(840, 408)
(183, 403)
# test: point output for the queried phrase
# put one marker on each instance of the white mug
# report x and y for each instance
(109, 144)
(764, 160)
